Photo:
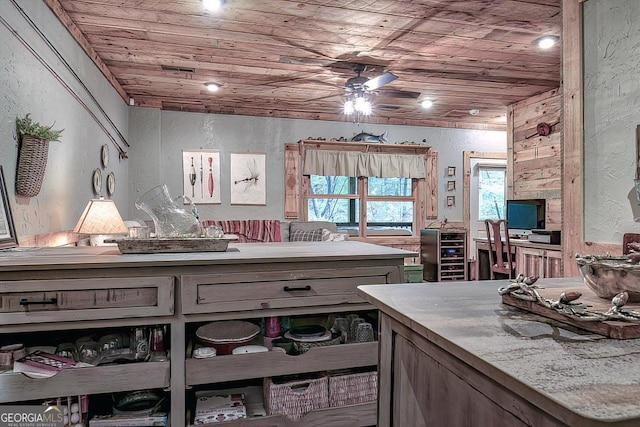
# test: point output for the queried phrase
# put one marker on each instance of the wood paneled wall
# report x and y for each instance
(534, 165)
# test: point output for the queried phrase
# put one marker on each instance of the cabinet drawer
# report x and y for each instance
(37, 301)
(75, 381)
(273, 363)
(262, 290)
(360, 415)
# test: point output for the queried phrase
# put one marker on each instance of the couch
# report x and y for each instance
(273, 230)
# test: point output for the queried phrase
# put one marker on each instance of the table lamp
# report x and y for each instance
(100, 219)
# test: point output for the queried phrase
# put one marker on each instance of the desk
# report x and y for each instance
(532, 259)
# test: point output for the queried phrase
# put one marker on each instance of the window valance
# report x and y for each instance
(354, 163)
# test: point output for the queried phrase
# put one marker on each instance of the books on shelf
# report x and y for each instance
(252, 400)
(40, 364)
(215, 407)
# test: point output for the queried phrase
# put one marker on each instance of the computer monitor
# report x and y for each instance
(526, 215)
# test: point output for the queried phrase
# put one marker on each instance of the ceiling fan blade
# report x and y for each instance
(392, 93)
(381, 80)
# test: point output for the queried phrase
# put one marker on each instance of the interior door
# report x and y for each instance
(488, 186)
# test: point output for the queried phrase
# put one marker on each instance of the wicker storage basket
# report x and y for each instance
(350, 389)
(32, 161)
(294, 399)
(302, 347)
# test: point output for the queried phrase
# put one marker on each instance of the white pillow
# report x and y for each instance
(328, 236)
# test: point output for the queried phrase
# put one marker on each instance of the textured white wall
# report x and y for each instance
(611, 114)
(27, 87)
(158, 139)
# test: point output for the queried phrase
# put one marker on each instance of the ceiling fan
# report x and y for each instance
(360, 85)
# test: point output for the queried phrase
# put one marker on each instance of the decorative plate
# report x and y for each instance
(104, 155)
(111, 183)
(97, 181)
(227, 331)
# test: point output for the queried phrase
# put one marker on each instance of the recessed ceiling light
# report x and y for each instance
(546, 42)
(474, 112)
(213, 87)
(212, 4)
(427, 103)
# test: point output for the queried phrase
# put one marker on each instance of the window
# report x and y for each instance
(491, 192)
(369, 189)
(389, 202)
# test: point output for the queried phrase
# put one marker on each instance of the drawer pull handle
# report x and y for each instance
(304, 288)
(53, 300)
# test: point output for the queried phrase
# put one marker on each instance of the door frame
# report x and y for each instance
(466, 185)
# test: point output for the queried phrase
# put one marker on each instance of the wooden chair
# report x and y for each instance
(500, 256)
(629, 238)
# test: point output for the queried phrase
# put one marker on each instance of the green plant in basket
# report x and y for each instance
(26, 126)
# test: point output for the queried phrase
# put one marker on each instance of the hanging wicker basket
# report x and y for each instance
(32, 161)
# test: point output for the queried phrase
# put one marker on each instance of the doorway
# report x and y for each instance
(485, 190)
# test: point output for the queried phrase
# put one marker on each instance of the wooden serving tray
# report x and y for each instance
(610, 328)
(172, 245)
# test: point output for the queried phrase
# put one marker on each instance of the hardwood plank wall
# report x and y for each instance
(535, 167)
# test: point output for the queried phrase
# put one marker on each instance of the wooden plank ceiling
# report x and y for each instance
(275, 58)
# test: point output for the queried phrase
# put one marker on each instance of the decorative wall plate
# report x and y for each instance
(97, 181)
(111, 183)
(104, 155)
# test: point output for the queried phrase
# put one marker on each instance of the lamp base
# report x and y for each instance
(98, 239)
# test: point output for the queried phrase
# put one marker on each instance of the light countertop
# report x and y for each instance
(545, 362)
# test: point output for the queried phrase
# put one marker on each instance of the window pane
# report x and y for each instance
(390, 214)
(389, 186)
(334, 210)
(332, 185)
(491, 191)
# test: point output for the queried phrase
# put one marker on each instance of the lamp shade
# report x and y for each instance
(101, 217)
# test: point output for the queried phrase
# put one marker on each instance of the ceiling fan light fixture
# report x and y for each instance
(546, 42)
(212, 4)
(348, 108)
(212, 86)
(358, 105)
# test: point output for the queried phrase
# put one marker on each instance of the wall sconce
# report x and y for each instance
(100, 219)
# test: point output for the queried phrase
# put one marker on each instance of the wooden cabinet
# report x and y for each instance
(443, 254)
(450, 356)
(479, 401)
(70, 290)
(543, 263)
(75, 304)
(532, 259)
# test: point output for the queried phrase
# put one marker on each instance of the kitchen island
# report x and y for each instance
(60, 294)
(454, 355)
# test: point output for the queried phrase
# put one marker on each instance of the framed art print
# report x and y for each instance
(451, 171)
(451, 185)
(201, 175)
(451, 201)
(248, 183)
(7, 229)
